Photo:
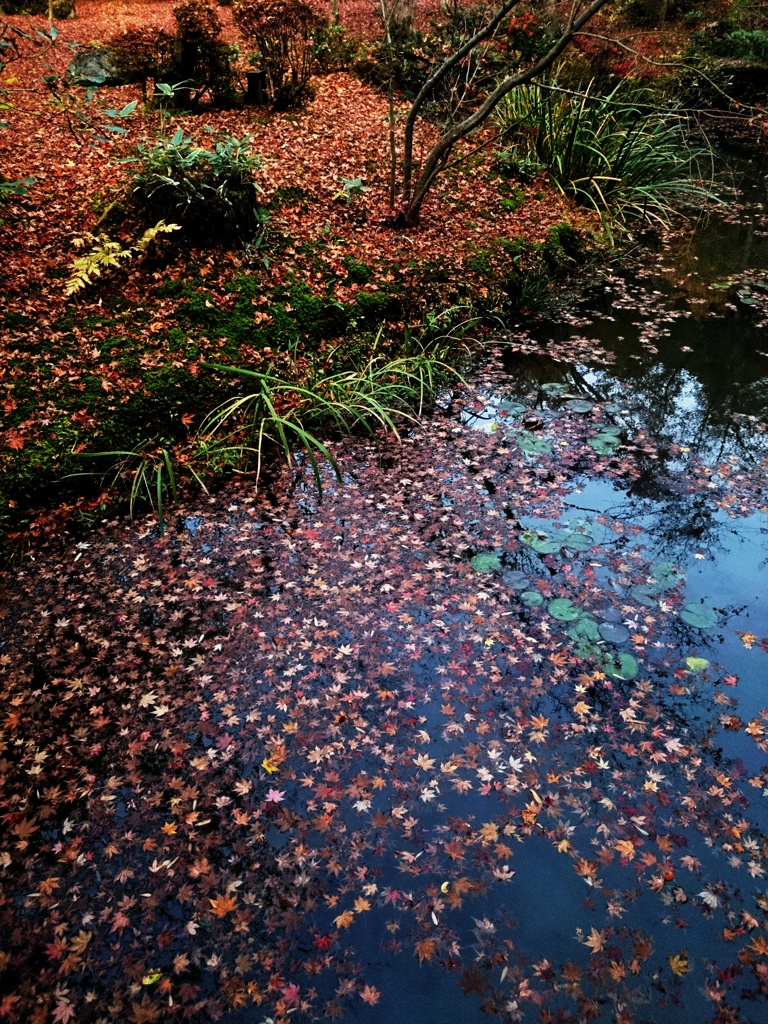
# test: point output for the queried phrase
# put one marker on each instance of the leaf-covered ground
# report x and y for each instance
(300, 754)
(117, 367)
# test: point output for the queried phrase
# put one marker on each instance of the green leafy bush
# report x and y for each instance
(211, 193)
(283, 33)
(740, 44)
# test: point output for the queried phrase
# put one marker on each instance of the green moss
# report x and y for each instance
(357, 271)
(377, 305)
(290, 195)
(177, 288)
(13, 321)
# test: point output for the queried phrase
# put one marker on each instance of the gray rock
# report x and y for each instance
(93, 65)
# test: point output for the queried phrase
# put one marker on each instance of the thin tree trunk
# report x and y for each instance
(438, 155)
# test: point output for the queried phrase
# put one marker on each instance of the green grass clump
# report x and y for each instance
(615, 153)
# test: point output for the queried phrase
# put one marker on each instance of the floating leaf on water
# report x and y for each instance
(485, 561)
(579, 405)
(666, 574)
(647, 595)
(515, 579)
(622, 666)
(532, 598)
(722, 285)
(584, 629)
(546, 545)
(614, 632)
(700, 616)
(577, 541)
(697, 664)
(528, 442)
(564, 609)
(553, 389)
(510, 407)
(604, 444)
(541, 543)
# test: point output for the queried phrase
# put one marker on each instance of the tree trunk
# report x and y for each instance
(437, 157)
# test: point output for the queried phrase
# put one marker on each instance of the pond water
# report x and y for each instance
(483, 732)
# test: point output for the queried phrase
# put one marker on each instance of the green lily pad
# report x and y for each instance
(700, 616)
(541, 543)
(646, 595)
(532, 598)
(666, 574)
(563, 609)
(579, 405)
(622, 666)
(584, 629)
(485, 561)
(614, 632)
(604, 443)
(577, 541)
(553, 389)
(697, 664)
(531, 444)
(511, 408)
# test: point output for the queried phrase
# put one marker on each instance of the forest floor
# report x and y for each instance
(118, 365)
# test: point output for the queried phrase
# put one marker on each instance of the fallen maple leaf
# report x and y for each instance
(679, 963)
(426, 949)
(345, 919)
(370, 995)
(222, 905)
(595, 941)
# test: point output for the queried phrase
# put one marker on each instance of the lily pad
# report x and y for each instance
(553, 389)
(584, 629)
(614, 632)
(486, 561)
(666, 574)
(577, 541)
(646, 595)
(700, 616)
(510, 407)
(604, 443)
(541, 543)
(622, 666)
(532, 598)
(531, 444)
(564, 609)
(697, 664)
(579, 405)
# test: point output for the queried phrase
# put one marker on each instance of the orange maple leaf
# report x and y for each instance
(426, 949)
(345, 919)
(222, 905)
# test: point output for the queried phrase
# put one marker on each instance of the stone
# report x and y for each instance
(93, 65)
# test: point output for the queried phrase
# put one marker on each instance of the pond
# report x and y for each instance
(482, 732)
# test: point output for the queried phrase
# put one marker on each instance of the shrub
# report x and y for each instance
(211, 193)
(740, 44)
(142, 53)
(199, 56)
(282, 31)
(332, 49)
